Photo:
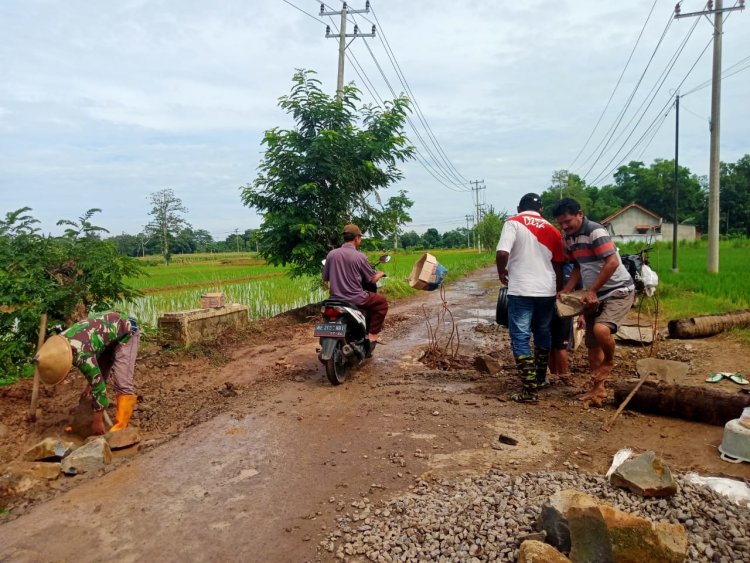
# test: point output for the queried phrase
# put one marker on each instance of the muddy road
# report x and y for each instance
(254, 458)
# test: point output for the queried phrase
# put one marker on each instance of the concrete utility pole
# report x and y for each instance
(477, 188)
(468, 240)
(342, 35)
(676, 188)
(712, 259)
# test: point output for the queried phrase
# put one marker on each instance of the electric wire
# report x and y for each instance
(707, 83)
(700, 56)
(405, 83)
(611, 96)
(651, 96)
(423, 161)
(623, 111)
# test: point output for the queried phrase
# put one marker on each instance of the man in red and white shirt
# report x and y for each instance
(529, 261)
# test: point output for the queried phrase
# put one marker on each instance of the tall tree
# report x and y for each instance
(432, 239)
(488, 229)
(167, 210)
(564, 184)
(317, 177)
(735, 196)
(395, 215)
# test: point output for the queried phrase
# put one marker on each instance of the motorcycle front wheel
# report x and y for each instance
(337, 367)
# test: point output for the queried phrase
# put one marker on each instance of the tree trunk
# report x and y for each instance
(700, 404)
(708, 325)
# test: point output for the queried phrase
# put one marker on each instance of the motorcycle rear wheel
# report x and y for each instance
(337, 367)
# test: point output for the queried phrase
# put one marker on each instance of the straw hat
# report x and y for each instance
(54, 359)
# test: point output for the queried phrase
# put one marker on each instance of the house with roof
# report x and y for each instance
(635, 223)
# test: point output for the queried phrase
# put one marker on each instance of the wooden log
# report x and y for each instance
(708, 325)
(35, 384)
(700, 404)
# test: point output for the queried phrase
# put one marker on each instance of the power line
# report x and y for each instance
(652, 93)
(725, 74)
(623, 111)
(606, 106)
(424, 162)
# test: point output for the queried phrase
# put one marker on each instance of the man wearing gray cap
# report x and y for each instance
(529, 261)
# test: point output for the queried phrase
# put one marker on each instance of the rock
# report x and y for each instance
(82, 417)
(645, 475)
(670, 371)
(487, 364)
(122, 438)
(554, 516)
(49, 448)
(20, 476)
(533, 551)
(602, 533)
(90, 457)
(36, 469)
(4, 432)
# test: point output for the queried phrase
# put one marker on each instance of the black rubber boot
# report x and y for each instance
(541, 360)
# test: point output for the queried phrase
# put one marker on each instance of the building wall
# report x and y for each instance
(624, 224)
(684, 232)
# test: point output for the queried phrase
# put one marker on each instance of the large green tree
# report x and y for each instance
(395, 215)
(167, 221)
(319, 175)
(735, 197)
(489, 228)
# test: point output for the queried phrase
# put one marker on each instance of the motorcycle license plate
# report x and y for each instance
(330, 330)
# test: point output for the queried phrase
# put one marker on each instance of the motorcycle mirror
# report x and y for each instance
(385, 258)
(323, 261)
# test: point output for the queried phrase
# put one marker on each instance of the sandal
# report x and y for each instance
(739, 378)
(715, 377)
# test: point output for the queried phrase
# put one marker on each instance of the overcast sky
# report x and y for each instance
(104, 103)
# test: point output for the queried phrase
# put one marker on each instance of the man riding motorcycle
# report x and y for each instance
(348, 273)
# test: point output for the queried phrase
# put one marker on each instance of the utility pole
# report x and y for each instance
(676, 188)
(342, 35)
(477, 188)
(237, 239)
(712, 258)
(468, 240)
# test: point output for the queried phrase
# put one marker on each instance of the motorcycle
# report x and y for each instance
(343, 335)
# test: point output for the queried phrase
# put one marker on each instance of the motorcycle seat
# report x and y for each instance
(339, 303)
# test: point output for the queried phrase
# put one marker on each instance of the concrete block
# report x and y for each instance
(183, 328)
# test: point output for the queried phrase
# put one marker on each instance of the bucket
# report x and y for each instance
(501, 311)
(735, 445)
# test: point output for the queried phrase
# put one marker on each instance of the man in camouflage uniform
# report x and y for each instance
(104, 347)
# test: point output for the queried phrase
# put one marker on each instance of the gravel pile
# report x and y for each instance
(485, 518)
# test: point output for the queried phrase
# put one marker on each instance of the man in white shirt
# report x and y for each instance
(529, 261)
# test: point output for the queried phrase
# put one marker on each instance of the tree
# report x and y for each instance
(411, 240)
(395, 215)
(318, 176)
(735, 196)
(565, 184)
(455, 239)
(432, 238)
(64, 276)
(489, 228)
(167, 222)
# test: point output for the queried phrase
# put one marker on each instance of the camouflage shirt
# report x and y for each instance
(89, 338)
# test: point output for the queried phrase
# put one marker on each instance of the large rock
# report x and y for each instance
(48, 449)
(554, 516)
(487, 364)
(645, 475)
(122, 438)
(592, 531)
(90, 457)
(533, 551)
(20, 476)
(602, 533)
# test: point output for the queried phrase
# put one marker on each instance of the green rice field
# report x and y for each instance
(265, 290)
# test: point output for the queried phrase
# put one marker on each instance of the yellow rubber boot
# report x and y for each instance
(125, 405)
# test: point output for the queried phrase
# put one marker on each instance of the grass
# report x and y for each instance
(692, 291)
(266, 290)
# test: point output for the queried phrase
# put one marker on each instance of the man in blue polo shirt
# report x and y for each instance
(608, 288)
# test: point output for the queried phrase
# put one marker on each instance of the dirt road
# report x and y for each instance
(260, 469)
